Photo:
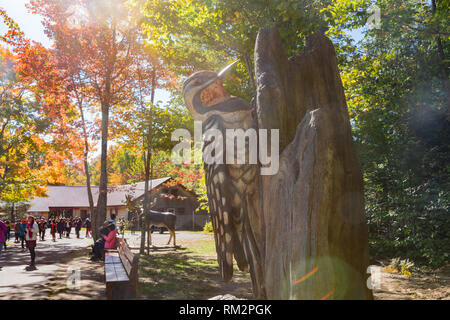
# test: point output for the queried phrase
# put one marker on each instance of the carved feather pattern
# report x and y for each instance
(226, 188)
(233, 189)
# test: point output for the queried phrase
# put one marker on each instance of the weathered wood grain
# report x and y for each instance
(316, 242)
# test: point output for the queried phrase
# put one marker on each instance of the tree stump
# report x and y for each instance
(314, 239)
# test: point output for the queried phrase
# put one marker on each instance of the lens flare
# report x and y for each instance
(307, 275)
(329, 294)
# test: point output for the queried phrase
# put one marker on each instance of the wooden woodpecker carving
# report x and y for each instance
(232, 188)
(302, 231)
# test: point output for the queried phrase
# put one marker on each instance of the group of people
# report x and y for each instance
(27, 231)
(19, 228)
(64, 227)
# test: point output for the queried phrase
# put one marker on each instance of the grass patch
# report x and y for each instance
(204, 248)
(191, 273)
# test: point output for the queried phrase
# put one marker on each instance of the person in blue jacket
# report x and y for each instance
(23, 225)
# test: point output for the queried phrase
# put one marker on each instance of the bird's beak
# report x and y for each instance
(226, 69)
(221, 74)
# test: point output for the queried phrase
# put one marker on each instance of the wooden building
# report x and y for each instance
(72, 201)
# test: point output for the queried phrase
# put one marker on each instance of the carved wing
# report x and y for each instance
(226, 221)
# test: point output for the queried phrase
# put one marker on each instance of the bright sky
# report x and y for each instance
(28, 23)
(31, 25)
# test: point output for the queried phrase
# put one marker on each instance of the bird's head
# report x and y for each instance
(193, 88)
(196, 84)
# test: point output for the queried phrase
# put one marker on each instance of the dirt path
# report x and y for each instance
(416, 287)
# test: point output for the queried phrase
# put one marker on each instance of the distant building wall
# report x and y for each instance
(123, 213)
(38, 214)
(176, 199)
(191, 222)
(183, 203)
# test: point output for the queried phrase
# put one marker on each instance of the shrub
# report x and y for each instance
(208, 227)
(397, 265)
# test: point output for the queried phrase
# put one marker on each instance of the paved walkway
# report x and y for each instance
(14, 277)
(16, 281)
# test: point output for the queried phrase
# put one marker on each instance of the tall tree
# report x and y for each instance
(34, 137)
(21, 147)
(197, 35)
(13, 34)
(105, 45)
(397, 92)
(33, 147)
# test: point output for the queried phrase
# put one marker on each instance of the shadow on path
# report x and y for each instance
(45, 254)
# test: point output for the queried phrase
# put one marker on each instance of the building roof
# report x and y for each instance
(76, 196)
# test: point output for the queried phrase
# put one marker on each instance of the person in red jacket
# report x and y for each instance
(99, 245)
(110, 239)
(31, 235)
(88, 226)
(53, 229)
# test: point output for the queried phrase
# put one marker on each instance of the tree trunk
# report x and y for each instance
(100, 214)
(13, 216)
(89, 189)
(148, 169)
(251, 76)
(316, 232)
(442, 63)
(145, 204)
(86, 164)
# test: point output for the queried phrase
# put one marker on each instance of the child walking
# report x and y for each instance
(31, 233)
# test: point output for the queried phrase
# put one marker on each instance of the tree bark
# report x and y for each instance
(86, 162)
(100, 214)
(145, 204)
(316, 232)
(148, 169)
(251, 76)
(13, 216)
(443, 63)
(89, 189)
